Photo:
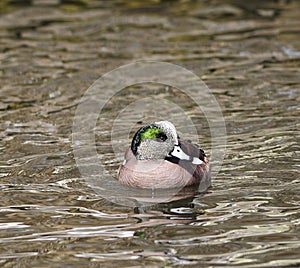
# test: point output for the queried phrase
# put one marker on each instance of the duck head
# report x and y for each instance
(159, 140)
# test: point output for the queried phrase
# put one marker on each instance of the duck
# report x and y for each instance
(159, 159)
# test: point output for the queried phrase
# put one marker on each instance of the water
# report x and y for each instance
(246, 52)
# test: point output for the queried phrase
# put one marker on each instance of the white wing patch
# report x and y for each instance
(177, 152)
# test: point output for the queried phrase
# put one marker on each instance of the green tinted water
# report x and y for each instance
(248, 53)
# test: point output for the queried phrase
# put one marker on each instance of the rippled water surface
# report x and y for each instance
(247, 52)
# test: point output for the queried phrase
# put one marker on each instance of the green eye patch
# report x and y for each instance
(150, 133)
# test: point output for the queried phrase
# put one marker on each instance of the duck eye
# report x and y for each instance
(161, 137)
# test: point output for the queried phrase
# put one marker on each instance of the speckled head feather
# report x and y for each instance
(169, 129)
(154, 141)
(137, 138)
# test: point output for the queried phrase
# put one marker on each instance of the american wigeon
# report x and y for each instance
(158, 158)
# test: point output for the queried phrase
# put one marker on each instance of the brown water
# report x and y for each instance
(247, 52)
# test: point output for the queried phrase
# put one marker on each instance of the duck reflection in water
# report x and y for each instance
(168, 171)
